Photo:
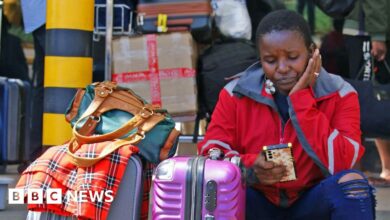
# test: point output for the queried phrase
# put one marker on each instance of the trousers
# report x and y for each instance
(39, 36)
(327, 200)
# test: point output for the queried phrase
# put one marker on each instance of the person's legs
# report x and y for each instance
(258, 207)
(346, 195)
(36, 120)
(354, 198)
(383, 147)
(38, 77)
(312, 204)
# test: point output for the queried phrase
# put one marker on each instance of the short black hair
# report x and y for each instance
(284, 20)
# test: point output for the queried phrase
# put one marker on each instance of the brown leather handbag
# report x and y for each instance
(104, 111)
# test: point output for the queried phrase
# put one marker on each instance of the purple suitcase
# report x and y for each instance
(195, 188)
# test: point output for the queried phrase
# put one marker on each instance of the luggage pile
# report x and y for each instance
(169, 53)
(174, 53)
(157, 58)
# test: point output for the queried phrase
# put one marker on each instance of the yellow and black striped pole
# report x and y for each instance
(68, 62)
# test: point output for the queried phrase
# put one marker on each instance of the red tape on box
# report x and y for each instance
(155, 90)
(173, 73)
(154, 74)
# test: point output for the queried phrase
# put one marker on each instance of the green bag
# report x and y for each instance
(103, 112)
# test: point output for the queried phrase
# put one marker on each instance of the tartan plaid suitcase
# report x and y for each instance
(129, 200)
(181, 15)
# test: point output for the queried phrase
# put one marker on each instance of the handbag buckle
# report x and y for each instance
(146, 112)
(95, 118)
(141, 134)
(104, 91)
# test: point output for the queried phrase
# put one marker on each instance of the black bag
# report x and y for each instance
(336, 8)
(374, 118)
(382, 71)
(376, 73)
(218, 62)
(123, 15)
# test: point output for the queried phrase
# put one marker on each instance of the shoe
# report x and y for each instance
(378, 182)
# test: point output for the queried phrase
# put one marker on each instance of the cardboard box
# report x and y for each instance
(159, 68)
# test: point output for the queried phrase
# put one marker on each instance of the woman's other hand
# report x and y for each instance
(379, 50)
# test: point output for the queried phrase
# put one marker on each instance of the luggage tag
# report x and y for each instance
(282, 154)
(162, 20)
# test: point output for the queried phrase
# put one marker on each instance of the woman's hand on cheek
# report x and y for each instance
(310, 74)
(268, 172)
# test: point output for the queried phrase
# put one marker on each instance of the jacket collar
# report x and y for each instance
(251, 84)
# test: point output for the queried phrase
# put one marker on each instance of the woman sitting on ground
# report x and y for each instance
(289, 98)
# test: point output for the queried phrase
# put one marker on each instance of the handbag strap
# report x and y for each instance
(102, 91)
(106, 92)
(108, 98)
(368, 60)
(387, 67)
(86, 162)
(133, 123)
(117, 100)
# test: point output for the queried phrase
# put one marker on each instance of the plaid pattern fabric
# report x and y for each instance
(147, 175)
(54, 170)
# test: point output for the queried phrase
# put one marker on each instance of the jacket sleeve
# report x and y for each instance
(376, 18)
(336, 141)
(222, 130)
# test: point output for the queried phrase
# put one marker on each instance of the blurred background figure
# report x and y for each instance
(310, 9)
(383, 146)
(333, 52)
(367, 34)
(13, 63)
(34, 19)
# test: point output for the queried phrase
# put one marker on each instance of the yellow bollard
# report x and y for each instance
(68, 62)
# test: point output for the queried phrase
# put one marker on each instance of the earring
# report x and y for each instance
(269, 87)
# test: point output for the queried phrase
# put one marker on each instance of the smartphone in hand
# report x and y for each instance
(282, 154)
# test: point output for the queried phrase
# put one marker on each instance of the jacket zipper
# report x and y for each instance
(283, 198)
(281, 128)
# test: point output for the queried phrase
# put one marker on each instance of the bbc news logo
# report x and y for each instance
(55, 196)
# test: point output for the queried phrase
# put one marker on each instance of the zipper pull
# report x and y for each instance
(281, 131)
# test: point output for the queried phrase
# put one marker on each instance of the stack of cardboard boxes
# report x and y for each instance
(161, 69)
